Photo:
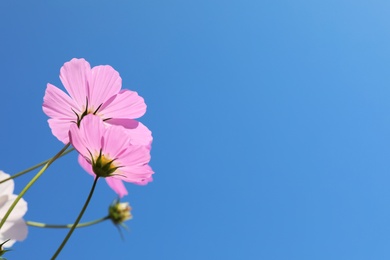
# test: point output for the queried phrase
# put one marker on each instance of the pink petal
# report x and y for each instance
(115, 141)
(139, 134)
(126, 123)
(88, 137)
(136, 174)
(60, 129)
(135, 168)
(78, 141)
(135, 156)
(126, 104)
(117, 185)
(144, 181)
(74, 76)
(104, 83)
(86, 165)
(57, 104)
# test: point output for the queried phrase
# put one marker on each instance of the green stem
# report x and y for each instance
(33, 167)
(33, 180)
(77, 220)
(85, 224)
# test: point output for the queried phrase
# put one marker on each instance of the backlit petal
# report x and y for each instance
(115, 141)
(144, 181)
(74, 76)
(78, 141)
(104, 83)
(89, 135)
(17, 231)
(139, 134)
(19, 210)
(136, 174)
(57, 104)
(7, 187)
(136, 155)
(126, 104)
(135, 165)
(60, 128)
(85, 165)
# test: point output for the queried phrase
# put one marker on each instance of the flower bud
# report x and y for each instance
(119, 212)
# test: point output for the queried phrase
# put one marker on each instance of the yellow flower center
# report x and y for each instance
(103, 166)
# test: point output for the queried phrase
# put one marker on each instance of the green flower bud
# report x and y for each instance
(119, 212)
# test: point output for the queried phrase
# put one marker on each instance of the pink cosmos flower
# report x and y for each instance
(95, 91)
(14, 228)
(106, 151)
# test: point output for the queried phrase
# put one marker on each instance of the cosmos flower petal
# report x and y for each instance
(74, 76)
(146, 180)
(136, 168)
(111, 145)
(139, 134)
(60, 129)
(3, 200)
(85, 165)
(19, 210)
(136, 174)
(126, 104)
(104, 82)
(136, 155)
(142, 181)
(117, 185)
(57, 104)
(78, 141)
(16, 230)
(92, 128)
(88, 137)
(14, 227)
(6, 187)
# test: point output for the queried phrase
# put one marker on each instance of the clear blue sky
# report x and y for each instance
(271, 125)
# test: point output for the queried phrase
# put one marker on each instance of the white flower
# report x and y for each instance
(14, 228)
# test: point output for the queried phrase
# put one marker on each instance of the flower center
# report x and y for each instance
(87, 110)
(103, 166)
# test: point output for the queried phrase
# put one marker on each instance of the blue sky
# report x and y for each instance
(270, 120)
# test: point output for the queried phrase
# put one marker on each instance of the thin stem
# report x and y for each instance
(85, 224)
(33, 180)
(34, 167)
(77, 220)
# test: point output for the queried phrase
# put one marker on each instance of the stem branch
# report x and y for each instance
(33, 180)
(85, 224)
(34, 167)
